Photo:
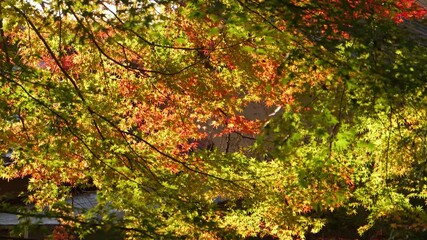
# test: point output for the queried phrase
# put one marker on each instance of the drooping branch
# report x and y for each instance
(60, 66)
(185, 165)
(128, 66)
(70, 128)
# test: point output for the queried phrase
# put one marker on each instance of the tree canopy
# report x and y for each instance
(130, 96)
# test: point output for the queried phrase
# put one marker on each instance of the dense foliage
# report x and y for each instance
(130, 97)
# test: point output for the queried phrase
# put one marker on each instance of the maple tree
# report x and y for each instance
(128, 96)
